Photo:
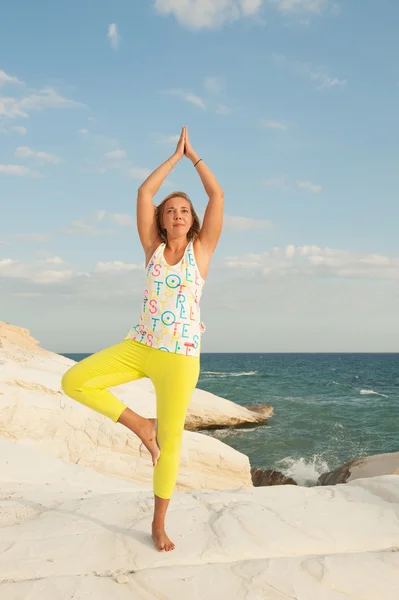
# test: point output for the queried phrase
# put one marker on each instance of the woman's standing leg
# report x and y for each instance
(88, 380)
(174, 377)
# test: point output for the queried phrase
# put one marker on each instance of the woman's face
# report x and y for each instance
(177, 217)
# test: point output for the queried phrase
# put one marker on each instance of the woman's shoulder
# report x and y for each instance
(153, 248)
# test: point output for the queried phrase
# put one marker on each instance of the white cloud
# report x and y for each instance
(116, 154)
(308, 185)
(26, 152)
(84, 131)
(51, 277)
(212, 14)
(47, 98)
(224, 110)
(80, 227)
(138, 173)
(188, 96)
(19, 129)
(214, 84)
(317, 74)
(275, 125)
(12, 108)
(123, 220)
(87, 226)
(36, 238)
(207, 14)
(282, 183)
(167, 139)
(113, 36)
(279, 183)
(54, 260)
(13, 170)
(309, 6)
(313, 261)
(116, 266)
(245, 223)
(4, 78)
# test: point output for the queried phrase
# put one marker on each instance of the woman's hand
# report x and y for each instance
(179, 152)
(188, 149)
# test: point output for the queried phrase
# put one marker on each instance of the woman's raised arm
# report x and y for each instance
(146, 219)
(213, 217)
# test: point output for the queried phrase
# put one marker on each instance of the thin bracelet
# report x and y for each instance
(197, 162)
(173, 166)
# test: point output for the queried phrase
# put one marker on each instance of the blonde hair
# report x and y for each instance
(159, 211)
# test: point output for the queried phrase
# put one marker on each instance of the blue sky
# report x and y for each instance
(294, 106)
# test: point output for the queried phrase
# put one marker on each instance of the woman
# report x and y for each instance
(165, 344)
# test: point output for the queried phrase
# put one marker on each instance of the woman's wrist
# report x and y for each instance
(194, 158)
(174, 159)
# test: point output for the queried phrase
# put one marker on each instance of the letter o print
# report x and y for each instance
(174, 281)
(168, 318)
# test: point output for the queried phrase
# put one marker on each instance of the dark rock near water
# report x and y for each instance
(358, 468)
(269, 477)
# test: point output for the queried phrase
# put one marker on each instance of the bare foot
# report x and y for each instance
(148, 437)
(161, 540)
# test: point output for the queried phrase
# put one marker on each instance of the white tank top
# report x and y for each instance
(170, 315)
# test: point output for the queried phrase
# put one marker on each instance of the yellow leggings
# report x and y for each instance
(174, 377)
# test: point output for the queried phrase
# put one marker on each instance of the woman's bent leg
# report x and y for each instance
(87, 381)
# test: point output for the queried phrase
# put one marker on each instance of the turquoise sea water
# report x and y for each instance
(329, 408)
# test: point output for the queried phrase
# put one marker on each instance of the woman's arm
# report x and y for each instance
(213, 217)
(146, 219)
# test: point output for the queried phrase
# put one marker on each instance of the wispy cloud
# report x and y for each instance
(138, 173)
(279, 183)
(214, 84)
(245, 223)
(113, 36)
(317, 74)
(307, 6)
(188, 96)
(167, 139)
(275, 125)
(116, 154)
(308, 185)
(122, 219)
(20, 129)
(92, 226)
(26, 152)
(47, 98)
(18, 170)
(12, 108)
(4, 78)
(224, 110)
(86, 227)
(36, 238)
(283, 183)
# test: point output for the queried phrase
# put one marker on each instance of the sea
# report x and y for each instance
(328, 408)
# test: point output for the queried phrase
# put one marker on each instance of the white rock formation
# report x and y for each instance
(69, 532)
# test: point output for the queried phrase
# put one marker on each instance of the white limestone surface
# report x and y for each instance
(69, 532)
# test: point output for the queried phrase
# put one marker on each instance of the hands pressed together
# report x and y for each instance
(184, 147)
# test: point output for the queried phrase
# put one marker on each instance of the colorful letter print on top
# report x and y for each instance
(170, 315)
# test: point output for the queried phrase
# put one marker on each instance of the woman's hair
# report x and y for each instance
(159, 210)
